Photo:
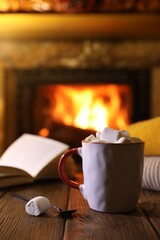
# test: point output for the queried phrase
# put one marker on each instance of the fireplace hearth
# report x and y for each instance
(24, 114)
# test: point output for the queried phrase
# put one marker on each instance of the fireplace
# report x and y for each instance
(43, 50)
(31, 101)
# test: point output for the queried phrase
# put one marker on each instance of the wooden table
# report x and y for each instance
(15, 223)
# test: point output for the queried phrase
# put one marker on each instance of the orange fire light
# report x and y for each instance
(88, 106)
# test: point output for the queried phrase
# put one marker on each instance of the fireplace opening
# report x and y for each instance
(80, 109)
(90, 107)
(70, 104)
(67, 105)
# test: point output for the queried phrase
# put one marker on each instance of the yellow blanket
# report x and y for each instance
(149, 132)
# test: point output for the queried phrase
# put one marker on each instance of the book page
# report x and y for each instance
(32, 153)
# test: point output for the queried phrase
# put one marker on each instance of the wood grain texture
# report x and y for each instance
(150, 203)
(89, 224)
(16, 224)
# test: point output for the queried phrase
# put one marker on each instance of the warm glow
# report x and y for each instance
(88, 106)
(91, 116)
(24, 5)
(44, 132)
(83, 110)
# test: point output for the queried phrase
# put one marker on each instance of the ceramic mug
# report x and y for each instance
(112, 174)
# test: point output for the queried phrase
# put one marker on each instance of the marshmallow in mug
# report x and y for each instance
(109, 135)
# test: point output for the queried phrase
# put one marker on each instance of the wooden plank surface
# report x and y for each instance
(89, 224)
(16, 224)
(150, 204)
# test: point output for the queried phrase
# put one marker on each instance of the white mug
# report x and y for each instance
(112, 174)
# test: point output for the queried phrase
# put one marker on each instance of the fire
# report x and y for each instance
(92, 113)
(83, 109)
(89, 106)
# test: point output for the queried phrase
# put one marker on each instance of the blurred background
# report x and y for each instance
(69, 68)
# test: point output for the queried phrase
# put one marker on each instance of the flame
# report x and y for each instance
(92, 115)
(44, 132)
(89, 106)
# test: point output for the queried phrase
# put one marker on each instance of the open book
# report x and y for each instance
(30, 158)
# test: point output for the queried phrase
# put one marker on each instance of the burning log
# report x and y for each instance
(69, 134)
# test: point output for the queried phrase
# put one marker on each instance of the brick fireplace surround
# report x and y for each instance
(90, 44)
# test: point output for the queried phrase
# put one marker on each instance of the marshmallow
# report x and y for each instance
(37, 206)
(90, 138)
(123, 140)
(98, 134)
(98, 141)
(124, 133)
(135, 140)
(110, 135)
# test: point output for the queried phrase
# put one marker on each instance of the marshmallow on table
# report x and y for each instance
(37, 206)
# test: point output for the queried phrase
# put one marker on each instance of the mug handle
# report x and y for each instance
(61, 168)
